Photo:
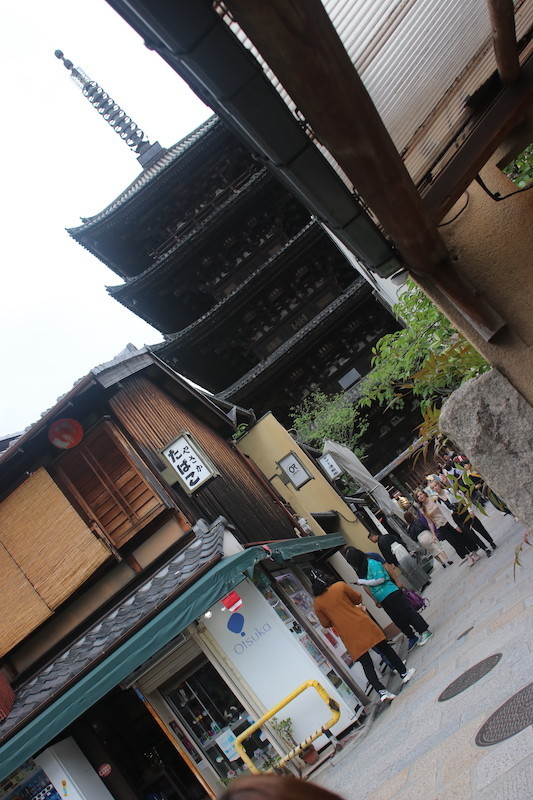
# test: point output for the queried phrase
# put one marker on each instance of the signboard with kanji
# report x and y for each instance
(330, 466)
(192, 466)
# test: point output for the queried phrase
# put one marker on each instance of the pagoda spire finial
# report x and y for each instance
(112, 113)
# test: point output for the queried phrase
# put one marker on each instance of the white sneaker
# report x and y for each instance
(386, 696)
(408, 675)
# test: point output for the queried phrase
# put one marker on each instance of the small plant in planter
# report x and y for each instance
(285, 729)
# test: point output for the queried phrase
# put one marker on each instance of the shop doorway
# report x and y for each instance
(211, 717)
(149, 765)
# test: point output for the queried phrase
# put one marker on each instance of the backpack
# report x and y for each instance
(415, 600)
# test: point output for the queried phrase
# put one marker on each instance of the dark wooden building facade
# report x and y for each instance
(256, 302)
(107, 510)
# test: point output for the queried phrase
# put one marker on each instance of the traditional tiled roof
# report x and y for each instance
(240, 295)
(178, 253)
(304, 338)
(147, 176)
(114, 627)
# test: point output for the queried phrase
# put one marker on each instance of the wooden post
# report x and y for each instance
(504, 39)
(178, 746)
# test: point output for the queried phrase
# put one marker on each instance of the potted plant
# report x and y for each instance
(285, 729)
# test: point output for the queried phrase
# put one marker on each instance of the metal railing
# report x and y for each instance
(298, 749)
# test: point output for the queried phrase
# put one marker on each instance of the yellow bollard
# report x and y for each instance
(330, 702)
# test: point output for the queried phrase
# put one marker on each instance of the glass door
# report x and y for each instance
(213, 717)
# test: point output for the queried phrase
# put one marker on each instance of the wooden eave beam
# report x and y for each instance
(504, 39)
(301, 46)
(505, 113)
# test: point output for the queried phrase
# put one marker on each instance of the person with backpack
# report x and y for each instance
(387, 593)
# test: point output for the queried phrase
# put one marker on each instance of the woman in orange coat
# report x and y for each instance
(340, 606)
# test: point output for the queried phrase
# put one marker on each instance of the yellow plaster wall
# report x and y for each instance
(266, 443)
(491, 243)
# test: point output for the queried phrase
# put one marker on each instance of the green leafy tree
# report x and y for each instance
(520, 171)
(321, 417)
(428, 358)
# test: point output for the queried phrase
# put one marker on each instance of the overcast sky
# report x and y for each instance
(60, 162)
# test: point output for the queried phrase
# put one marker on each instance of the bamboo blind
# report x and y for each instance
(22, 609)
(54, 550)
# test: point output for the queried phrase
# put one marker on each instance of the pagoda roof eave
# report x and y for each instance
(350, 298)
(218, 314)
(171, 157)
(177, 255)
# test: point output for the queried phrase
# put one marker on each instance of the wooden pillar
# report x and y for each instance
(504, 39)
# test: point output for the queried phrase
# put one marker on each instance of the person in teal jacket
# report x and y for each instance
(387, 594)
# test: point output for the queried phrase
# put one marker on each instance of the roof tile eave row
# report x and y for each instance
(99, 640)
(234, 300)
(261, 370)
(168, 159)
(166, 263)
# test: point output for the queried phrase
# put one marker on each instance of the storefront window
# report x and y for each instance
(213, 717)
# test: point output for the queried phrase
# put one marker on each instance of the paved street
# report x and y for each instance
(422, 749)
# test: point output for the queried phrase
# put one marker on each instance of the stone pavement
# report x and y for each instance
(422, 749)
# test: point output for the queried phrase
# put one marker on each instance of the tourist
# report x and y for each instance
(445, 526)
(463, 514)
(396, 554)
(419, 529)
(382, 585)
(338, 605)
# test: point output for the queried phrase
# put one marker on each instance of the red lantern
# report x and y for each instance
(65, 433)
(232, 601)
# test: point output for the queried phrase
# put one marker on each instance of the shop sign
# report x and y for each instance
(294, 470)
(190, 464)
(104, 770)
(330, 466)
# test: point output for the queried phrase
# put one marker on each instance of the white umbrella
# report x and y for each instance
(349, 462)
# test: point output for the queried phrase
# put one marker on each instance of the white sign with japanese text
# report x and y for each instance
(192, 466)
(330, 466)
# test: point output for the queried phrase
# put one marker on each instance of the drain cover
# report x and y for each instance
(470, 677)
(514, 716)
(465, 633)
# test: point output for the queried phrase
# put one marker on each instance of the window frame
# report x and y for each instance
(65, 483)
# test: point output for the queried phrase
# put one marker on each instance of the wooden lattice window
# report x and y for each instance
(105, 478)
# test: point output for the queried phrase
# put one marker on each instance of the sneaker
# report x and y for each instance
(489, 553)
(408, 675)
(424, 637)
(450, 562)
(494, 545)
(386, 696)
(412, 642)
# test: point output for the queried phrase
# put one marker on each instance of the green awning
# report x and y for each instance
(145, 643)
(290, 548)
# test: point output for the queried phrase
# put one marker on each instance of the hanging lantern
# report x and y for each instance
(65, 433)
